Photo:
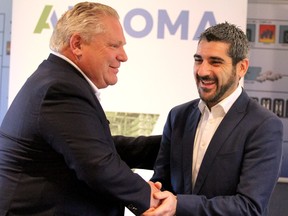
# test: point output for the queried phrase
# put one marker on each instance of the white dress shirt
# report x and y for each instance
(207, 126)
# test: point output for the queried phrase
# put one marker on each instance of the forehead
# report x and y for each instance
(113, 28)
(212, 48)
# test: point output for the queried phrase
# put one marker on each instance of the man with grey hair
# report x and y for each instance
(57, 156)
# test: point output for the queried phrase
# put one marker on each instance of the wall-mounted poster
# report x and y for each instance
(267, 33)
(267, 77)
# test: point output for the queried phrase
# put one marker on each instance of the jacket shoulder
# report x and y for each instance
(185, 107)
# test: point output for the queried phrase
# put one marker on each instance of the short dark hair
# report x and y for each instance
(232, 35)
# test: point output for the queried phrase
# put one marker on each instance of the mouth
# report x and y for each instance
(114, 69)
(206, 82)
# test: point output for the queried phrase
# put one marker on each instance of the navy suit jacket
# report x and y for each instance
(240, 167)
(57, 156)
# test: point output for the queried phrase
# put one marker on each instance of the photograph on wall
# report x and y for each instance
(267, 76)
(131, 124)
(266, 33)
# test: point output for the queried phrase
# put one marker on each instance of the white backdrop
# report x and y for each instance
(159, 72)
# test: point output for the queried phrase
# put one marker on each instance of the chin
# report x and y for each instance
(113, 83)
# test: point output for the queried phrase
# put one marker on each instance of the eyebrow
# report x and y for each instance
(210, 58)
(120, 42)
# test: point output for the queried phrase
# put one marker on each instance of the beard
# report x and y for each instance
(220, 90)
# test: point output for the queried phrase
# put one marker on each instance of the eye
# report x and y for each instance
(198, 60)
(114, 45)
(216, 62)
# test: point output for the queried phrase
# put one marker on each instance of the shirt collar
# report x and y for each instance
(94, 87)
(226, 103)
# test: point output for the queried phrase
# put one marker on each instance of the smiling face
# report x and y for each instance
(215, 75)
(100, 59)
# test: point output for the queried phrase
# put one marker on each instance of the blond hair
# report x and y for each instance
(84, 18)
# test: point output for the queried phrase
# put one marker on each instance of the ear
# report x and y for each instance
(242, 67)
(76, 44)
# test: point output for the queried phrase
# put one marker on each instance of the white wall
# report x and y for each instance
(159, 72)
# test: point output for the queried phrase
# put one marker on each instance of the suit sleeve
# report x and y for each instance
(76, 127)
(138, 152)
(258, 176)
(242, 175)
(162, 166)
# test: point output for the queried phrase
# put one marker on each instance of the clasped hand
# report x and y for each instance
(163, 203)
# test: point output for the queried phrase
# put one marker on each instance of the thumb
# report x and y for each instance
(158, 185)
(161, 195)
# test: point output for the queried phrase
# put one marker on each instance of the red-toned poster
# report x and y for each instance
(267, 33)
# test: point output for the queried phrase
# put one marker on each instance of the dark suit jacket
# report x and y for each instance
(57, 156)
(138, 152)
(240, 167)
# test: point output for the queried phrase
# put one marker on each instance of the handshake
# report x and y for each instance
(162, 202)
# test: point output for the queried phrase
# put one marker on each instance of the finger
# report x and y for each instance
(158, 185)
(148, 212)
(159, 211)
(161, 195)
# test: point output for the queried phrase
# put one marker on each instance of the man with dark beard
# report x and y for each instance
(220, 154)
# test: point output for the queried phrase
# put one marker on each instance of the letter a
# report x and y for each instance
(42, 24)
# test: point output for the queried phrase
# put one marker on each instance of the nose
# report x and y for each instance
(202, 69)
(122, 56)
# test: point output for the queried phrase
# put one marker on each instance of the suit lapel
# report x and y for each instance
(188, 141)
(230, 121)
